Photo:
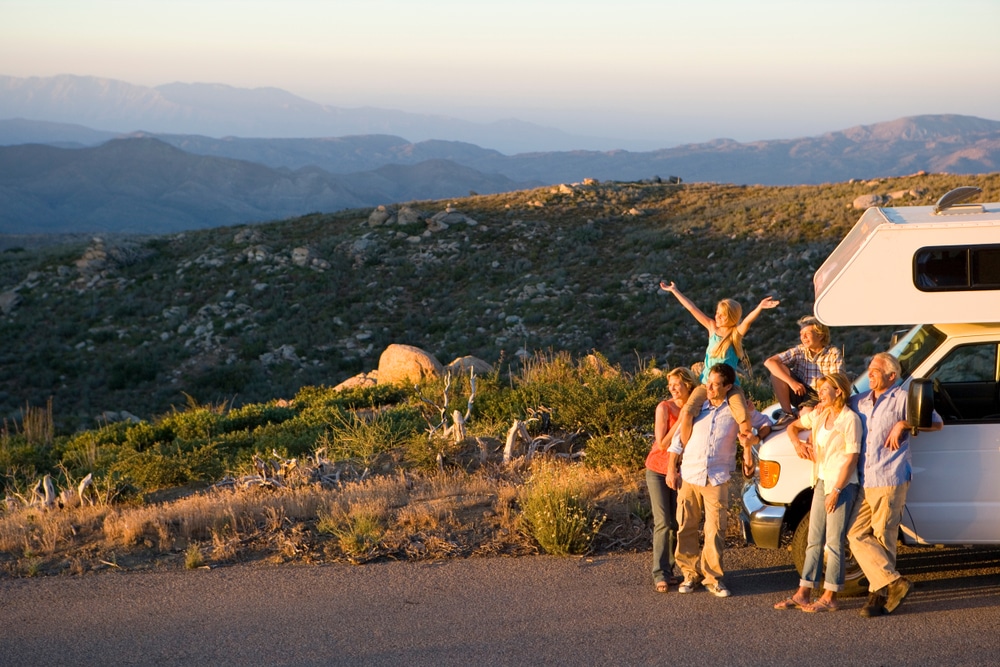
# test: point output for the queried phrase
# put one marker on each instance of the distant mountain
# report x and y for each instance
(219, 110)
(943, 144)
(143, 185)
(16, 131)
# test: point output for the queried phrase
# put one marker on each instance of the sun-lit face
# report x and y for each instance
(827, 392)
(811, 338)
(880, 377)
(720, 316)
(677, 388)
(716, 387)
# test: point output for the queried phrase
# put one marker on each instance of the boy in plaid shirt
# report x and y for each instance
(795, 372)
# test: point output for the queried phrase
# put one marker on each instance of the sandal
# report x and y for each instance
(674, 580)
(790, 603)
(820, 605)
(661, 587)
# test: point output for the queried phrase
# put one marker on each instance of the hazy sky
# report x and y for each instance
(636, 69)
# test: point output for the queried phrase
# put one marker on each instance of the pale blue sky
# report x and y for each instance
(636, 69)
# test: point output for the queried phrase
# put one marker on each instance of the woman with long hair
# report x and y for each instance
(834, 450)
(663, 499)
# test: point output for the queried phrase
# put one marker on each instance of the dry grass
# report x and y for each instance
(418, 517)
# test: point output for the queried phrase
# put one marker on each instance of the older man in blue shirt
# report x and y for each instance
(884, 472)
(707, 463)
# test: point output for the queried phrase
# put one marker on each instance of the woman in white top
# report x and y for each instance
(834, 449)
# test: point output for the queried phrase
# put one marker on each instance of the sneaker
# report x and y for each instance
(875, 606)
(718, 589)
(783, 419)
(687, 586)
(897, 591)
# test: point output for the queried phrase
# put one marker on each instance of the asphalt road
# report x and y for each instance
(539, 610)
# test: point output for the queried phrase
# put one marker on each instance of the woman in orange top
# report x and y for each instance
(680, 382)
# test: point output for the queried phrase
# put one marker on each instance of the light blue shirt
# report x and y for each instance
(710, 455)
(878, 465)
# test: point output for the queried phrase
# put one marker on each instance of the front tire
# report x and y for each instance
(855, 583)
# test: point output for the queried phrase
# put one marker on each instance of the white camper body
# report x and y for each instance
(914, 264)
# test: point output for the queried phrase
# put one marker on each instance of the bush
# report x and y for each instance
(556, 512)
(626, 450)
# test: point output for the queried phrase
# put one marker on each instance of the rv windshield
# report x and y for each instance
(911, 350)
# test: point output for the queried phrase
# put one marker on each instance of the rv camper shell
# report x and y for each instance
(914, 264)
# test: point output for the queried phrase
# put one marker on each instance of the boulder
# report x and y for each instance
(867, 201)
(359, 380)
(462, 365)
(381, 216)
(9, 301)
(406, 364)
(408, 216)
(302, 256)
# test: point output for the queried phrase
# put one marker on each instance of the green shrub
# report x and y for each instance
(369, 441)
(556, 512)
(626, 450)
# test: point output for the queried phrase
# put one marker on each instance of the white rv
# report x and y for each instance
(900, 266)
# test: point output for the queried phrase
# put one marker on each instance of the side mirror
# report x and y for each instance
(919, 404)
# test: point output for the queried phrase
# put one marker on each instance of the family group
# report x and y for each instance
(858, 446)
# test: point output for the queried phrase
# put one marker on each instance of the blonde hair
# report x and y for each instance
(733, 312)
(686, 376)
(821, 329)
(841, 382)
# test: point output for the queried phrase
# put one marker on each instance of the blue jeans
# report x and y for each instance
(663, 500)
(829, 531)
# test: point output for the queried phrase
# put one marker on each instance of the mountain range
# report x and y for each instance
(62, 176)
(219, 110)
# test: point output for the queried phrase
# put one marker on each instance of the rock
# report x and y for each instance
(451, 217)
(283, 353)
(867, 201)
(407, 364)
(9, 301)
(462, 366)
(94, 260)
(249, 235)
(436, 225)
(302, 256)
(359, 380)
(381, 216)
(408, 216)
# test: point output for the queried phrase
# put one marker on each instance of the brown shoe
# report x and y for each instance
(875, 606)
(897, 591)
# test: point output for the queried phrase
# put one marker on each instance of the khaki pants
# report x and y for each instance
(695, 503)
(874, 532)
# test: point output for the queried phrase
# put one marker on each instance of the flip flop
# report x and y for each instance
(789, 603)
(820, 605)
(661, 587)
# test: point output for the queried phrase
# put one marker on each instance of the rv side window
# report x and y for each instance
(965, 384)
(957, 268)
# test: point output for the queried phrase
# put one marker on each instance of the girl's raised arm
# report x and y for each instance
(766, 303)
(702, 318)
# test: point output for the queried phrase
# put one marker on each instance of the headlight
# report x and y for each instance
(769, 473)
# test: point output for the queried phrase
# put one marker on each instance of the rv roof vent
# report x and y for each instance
(951, 202)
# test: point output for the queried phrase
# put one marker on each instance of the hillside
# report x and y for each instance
(251, 313)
